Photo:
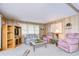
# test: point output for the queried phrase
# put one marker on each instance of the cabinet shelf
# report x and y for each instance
(10, 39)
(9, 46)
(9, 32)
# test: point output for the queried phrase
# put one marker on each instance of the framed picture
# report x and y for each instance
(68, 26)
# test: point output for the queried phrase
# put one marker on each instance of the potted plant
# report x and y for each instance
(38, 41)
(54, 41)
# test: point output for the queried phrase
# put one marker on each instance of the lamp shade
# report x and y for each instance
(57, 31)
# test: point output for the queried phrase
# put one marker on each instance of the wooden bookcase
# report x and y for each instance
(18, 38)
(4, 33)
(11, 35)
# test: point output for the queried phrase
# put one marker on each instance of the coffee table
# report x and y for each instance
(36, 45)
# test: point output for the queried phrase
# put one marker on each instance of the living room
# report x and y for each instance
(30, 27)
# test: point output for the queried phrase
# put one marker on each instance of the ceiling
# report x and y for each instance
(76, 5)
(37, 12)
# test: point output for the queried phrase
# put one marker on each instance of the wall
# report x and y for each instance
(45, 28)
(55, 27)
(42, 30)
(74, 20)
(23, 25)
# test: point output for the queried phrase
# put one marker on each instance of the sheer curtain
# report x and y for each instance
(24, 28)
(55, 26)
(36, 29)
(29, 32)
(33, 29)
(30, 29)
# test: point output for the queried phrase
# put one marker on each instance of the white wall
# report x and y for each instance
(74, 24)
(74, 20)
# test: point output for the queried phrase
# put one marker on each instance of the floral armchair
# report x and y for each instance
(30, 37)
(47, 38)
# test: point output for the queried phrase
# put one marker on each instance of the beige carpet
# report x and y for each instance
(51, 50)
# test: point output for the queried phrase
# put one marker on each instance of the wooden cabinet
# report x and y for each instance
(0, 32)
(18, 37)
(4, 33)
(10, 39)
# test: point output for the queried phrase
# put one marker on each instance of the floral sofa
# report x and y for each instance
(70, 43)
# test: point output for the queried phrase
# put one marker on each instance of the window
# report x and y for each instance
(55, 26)
(24, 28)
(29, 28)
(36, 29)
(33, 29)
